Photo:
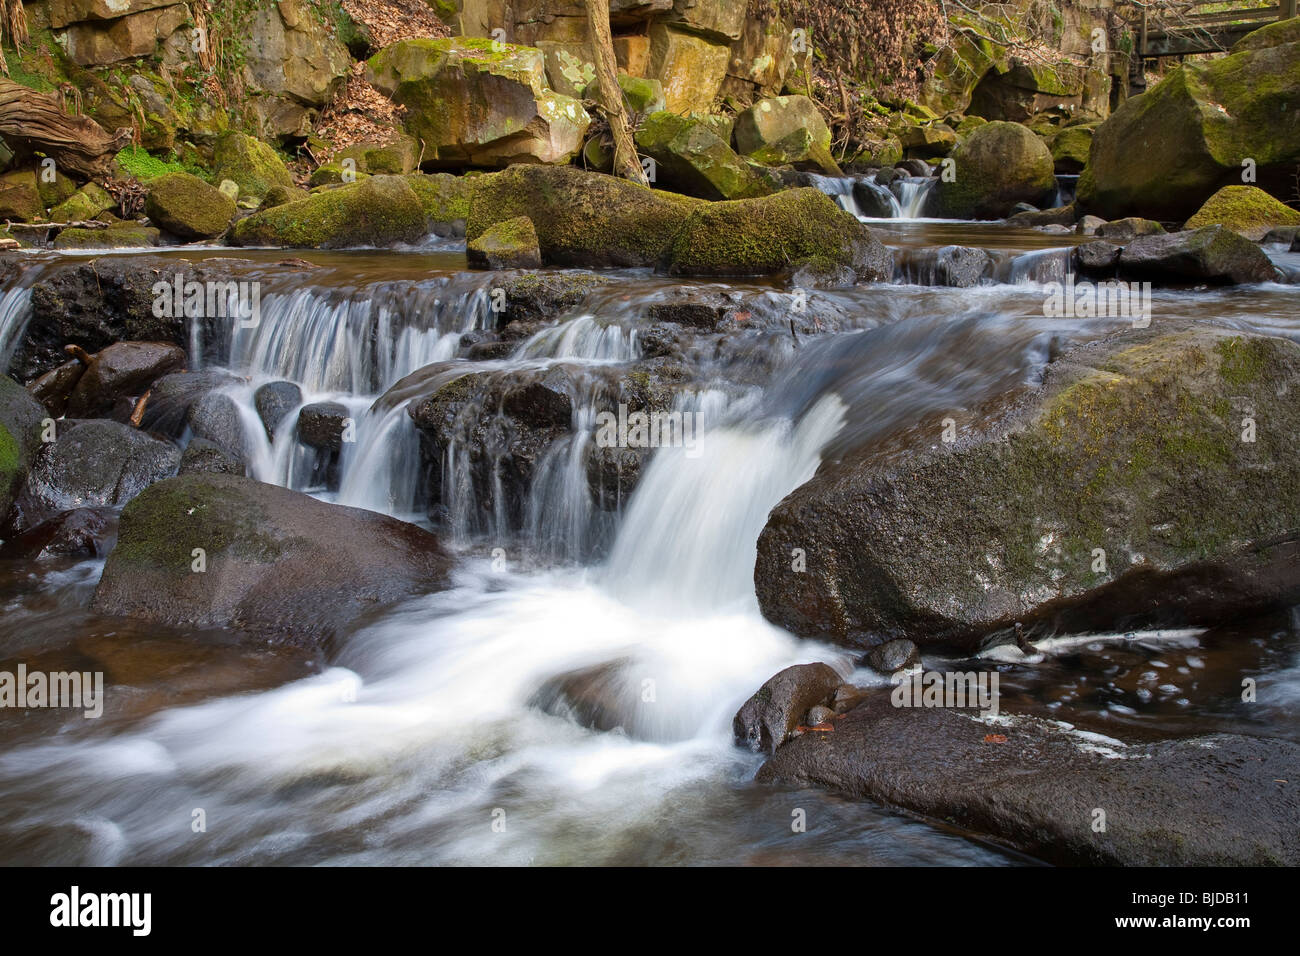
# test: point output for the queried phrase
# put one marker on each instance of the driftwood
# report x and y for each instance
(38, 226)
(35, 122)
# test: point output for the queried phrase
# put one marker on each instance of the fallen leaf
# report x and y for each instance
(995, 739)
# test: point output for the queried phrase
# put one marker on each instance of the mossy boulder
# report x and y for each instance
(54, 189)
(86, 203)
(396, 158)
(125, 235)
(1070, 149)
(1164, 153)
(254, 166)
(19, 198)
(279, 195)
(774, 234)
(783, 130)
(477, 102)
(20, 438)
(640, 95)
(997, 166)
(690, 159)
(445, 199)
(379, 211)
(336, 174)
(511, 244)
(1246, 210)
(273, 561)
(187, 207)
(1211, 254)
(1129, 490)
(582, 219)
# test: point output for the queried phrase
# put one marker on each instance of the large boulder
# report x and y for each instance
(997, 166)
(690, 67)
(773, 234)
(123, 370)
(690, 158)
(250, 164)
(1124, 491)
(1212, 254)
(510, 244)
(1246, 210)
(582, 219)
(225, 551)
(95, 463)
(476, 102)
(20, 438)
(378, 211)
(785, 129)
(292, 63)
(187, 207)
(1201, 123)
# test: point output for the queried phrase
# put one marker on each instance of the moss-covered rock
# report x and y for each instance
(445, 199)
(336, 174)
(126, 235)
(792, 229)
(1070, 149)
(1136, 446)
(511, 244)
(19, 198)
(272, 564)
(379, 211)
(20, 438)
(187, 207)
(1211, 254)
(640, 95)
(1162, 154)
(86, 203)
(1246, 210)
(55, 188)
(690, 159)
(477, 102)
(252, 164)
(582, 219)
(279, 195)
(997, 166)
(396, 158)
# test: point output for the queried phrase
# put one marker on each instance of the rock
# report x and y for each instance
(1121, 230)
(188, 207)
(86, 203)
(783, 130)
(293, 62)
(204, 457)
(127, 235)
(1097, 259)
(54, 387)
(1213, 254)
(95, 463)
(273, 566)
(1037, 790)
(1246, 210)
(445, 199)
(125, 369)
(397, 158)
(872, 202)
(478, 102)
(274, 401)
(599, 697)
(582, 219)
(916, 167)
(690, 159)
(1132, 445)
(134, 35)
(1203, 120)
(959, 267)
(21, 425)
(1057, 216)
(250, 164)
(1283, 235)
(933, 140)
(380, 211)
(1070, 149)
(1089, 225)
(279, 195)
(689, 66)
(775, 233)
(893, 656)
(997, 166)
(511, 244)
(20, 200)
(532, 297)
(321, 425)
(80, 533)
(171, 397)
(640, 96)
(768, 719)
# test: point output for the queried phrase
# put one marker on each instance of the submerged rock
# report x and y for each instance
(1124, 492)
(81, 533)
(222, 551)
(1038, 788)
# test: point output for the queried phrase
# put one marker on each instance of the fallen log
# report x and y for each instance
(35, 122)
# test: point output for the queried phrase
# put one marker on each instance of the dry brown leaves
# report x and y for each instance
(393, 20)
(359, 113)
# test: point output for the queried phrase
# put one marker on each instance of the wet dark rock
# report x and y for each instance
(277, 564)
(599, 697)
(700, 309)
(81, 532)
(542, 403)
(1056, 216)
(216, 417)
(961, 267)
(870, 201)
(54, 387)
(321, 425)
(123, 370)
(1133, 445)
(768, 719)
(915, 167)
(1039, 789)
(1097, 259)
(203, 457)
(892, 656)
(1214, 254)
(891, 173)
(1088, 225)
(21, 418)
(168, 409)
(486, 351)
(660, 340)
(274, 401)
(96, 463)
(544, 296)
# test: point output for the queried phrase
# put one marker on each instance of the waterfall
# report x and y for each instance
(15, 310)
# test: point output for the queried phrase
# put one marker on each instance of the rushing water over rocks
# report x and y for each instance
(578, 678)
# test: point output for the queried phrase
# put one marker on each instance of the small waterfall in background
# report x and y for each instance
(15, 310)
(903, 198)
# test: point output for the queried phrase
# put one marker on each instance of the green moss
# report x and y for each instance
(138, 162)
(124, 236)
(380, 211)
(250, 164)
(1244, 209)
(1243, 361)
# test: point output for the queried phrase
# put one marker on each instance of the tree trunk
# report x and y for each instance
(36, 122)
(626, 162)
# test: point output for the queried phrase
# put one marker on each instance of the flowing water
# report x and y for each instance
(423, 740)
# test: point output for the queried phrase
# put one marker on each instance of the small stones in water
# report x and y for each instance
(892, 656)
